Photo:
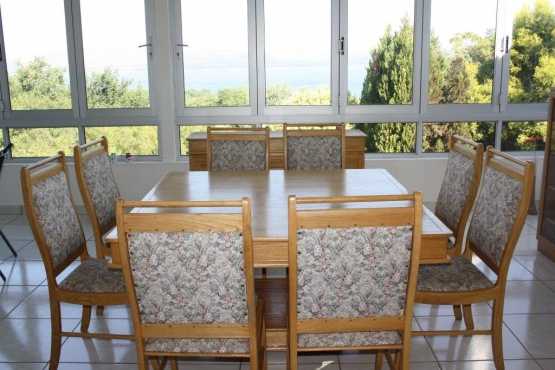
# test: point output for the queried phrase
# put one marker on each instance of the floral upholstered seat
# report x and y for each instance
(461, 275)
(239, 346)
(103, 189)
(94, 276)
(238, 155)
(348, 340)
(313, 152)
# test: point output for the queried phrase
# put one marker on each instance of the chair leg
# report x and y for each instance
(457, 312)
(497, 334)
(468, 319)
(378, 363)
(3, 236)
(85, 319)
(2, 276)
(56, 335)
(173, 364)
(99, 310)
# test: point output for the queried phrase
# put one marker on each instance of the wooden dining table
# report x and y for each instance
(268, 192)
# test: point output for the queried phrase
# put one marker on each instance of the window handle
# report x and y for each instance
(342, 46)
(147, 45)
(181, 46)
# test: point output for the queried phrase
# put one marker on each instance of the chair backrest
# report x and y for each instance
(238, 149)
(52, 215)
(353, 269)
(98, 186)
(189, 275)
(460, 185)
(314, 147)
(500, 210)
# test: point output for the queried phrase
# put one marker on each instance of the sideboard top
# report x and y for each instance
(275, 134)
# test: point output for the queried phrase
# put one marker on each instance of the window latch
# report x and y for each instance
(180, 46)
(147, 45)
(342, 46)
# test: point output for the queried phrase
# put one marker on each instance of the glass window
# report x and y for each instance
(116, 67)
(380, 52)
(462, 47)
(523, 136)
(389, 137)
(436, 134)
(36, 54)
(43, 142)
(298, 52)
(532, 58)
(135, 140)
(216, 58)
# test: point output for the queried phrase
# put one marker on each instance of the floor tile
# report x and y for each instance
(528, 297)
(22, 366)
(527, 245)
(540, 266)
(550, 284)
(516, 271)
(101, 351)
(547, 364)
(532, 220)
(473, 348)
(37, 305)
(489, 365)
(210, 365)
(536, 332)
(27, 340)
(16, 231)
(24, 272)
(81, 366)
(5, 252)
(29, 253)
(428, 310)
(11, 296)
(6, 219)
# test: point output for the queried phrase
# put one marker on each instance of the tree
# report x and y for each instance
(108, 90)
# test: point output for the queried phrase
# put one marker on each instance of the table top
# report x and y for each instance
(276, 134)
(269, 191)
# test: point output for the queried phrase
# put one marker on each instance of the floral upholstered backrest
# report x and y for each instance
(189, 277)
(455, 189)
(57, 218)
(313, 152)
(352, 272)
(495, 213)
(103, 189)
(238, 155)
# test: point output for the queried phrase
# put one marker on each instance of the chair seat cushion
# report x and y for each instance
(190, 345)
(348, 340)
(461, 275)
(94, 276)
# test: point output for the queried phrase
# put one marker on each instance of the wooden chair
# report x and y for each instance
(495, 226)
(190, 281)
(343, 292)
(99, 189)
(314, 147)
(238, 149)
(59, 236)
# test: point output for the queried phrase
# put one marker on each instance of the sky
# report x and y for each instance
(297, 32)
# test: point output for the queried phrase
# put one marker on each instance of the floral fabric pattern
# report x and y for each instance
(461, 275)
(348, 340)
(455, 189)
(103, 189)
(94, 276)
(313, 152)
(238, 155)
(352, 272)
(198, 345)
(57, 218)
(184, 277)
(495, 213)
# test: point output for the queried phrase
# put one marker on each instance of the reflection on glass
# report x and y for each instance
(116, 67)
(36, 54)
(523, 136)
(43, 142)
(532, 66)
(135, 140)
(462, 47)
(436, 134)
(380, 52)
(298, 52)
(216, 58)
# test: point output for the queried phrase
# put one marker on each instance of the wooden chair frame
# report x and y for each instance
(354, 217)
(82, 154)
(303, 129)
(178, 221)
(521, 171)
(29, 176)
(237, 134)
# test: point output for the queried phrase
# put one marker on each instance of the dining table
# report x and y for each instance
(269, 192)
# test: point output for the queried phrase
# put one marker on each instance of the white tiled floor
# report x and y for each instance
(529, 323)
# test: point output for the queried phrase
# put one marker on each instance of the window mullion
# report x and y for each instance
(77, 62)
(4, 88)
